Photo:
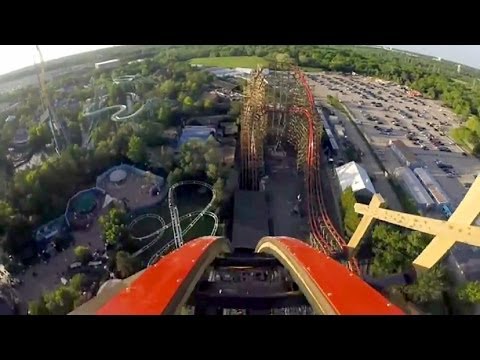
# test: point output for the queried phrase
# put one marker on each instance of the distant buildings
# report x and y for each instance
(107, 65)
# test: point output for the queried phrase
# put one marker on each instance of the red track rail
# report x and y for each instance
(318, 215)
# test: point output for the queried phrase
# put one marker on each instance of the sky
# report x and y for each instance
(14, 57)
(463, 54)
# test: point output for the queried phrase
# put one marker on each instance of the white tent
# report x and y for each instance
(353, 175)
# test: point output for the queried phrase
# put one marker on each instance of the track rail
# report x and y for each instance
(327, 237)
(176, 220)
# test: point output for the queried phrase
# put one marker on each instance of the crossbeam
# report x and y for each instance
(458, 228)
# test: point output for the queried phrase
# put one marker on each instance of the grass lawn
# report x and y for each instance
(188, 199)
(231, 61)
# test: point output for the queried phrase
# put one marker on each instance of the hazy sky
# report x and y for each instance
(13, 57)
(463, 54)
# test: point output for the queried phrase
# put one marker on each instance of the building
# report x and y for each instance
(107, 65)
(201, 133)
(414, 188)
(250, 221)
(432, 186)
(403, 153)
(353, 175)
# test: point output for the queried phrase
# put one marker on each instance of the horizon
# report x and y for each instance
(22, 56)
(17, 57)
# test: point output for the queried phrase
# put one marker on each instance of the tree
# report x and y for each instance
(39, 137)
(175, 176)
(166, 158)
(168, 89)
(38, 307)
(476, 149)
(208, 104)
(219, 188)
(469, 292)
(78, 282)
(113, 226)
(137, 150)
(6, 213)
(428, 287)
(235, 108)
(18, 235)
(126, 264)
(165, 114)
(83, 254)
(351, 218)
(187, 104)
(61, 301)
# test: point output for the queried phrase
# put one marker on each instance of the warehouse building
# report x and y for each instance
(432, 186)
(353, 175)
(414, 188)
(403, 153)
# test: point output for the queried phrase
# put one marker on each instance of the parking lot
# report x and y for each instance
(385, 111)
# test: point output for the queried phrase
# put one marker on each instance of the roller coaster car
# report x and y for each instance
(282, 276)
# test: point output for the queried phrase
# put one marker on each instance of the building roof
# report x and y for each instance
(107, 62)
(413, 186)
(353, 175)
(195, 132)
(406, 152)
(250, 221)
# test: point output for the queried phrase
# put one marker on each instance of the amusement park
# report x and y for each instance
(278, 215)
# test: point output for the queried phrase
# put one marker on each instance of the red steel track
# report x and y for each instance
(318, 215)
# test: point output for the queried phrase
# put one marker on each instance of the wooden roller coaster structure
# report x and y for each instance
(303, 130)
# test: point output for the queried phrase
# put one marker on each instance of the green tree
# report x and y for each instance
(78, 282)
(187, 104)
(428, 287)
(476, 149)
(219, 188)
(61, 301)
(126, 265)
(39, 137)
(83, 254)
(351, 218)
(175, 176)
(208, 104)
(6, 213)
(165, 115)
(166, 158)
(469, 292)
(235, 108)
(113, 226)
(137, 150)
(168, 89)
(38, 307)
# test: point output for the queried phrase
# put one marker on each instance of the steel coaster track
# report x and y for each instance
(315, 191)
(176, 220)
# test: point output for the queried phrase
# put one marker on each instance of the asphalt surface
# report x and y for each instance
(352, 91)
